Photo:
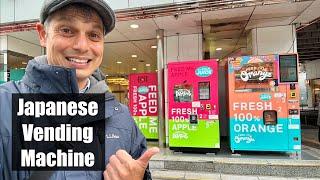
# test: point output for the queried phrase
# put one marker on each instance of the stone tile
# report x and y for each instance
(236, 177)
(189, 166)
(202, 176)
(275, 178)
(163, 174)
(156, 165)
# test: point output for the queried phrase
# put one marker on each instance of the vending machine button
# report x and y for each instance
(292, 94)
(208, 106)
(193, 119)
(293, 111)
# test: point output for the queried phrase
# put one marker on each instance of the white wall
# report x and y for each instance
(274, 40)
(183, 48)
(23, 47)
(3, 43)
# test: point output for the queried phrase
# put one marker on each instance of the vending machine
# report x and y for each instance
(193, 105)
(263, 103)
(143, 103)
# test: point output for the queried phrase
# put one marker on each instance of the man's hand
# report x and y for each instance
(122, 166)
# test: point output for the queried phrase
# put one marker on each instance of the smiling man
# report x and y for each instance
(73, 33)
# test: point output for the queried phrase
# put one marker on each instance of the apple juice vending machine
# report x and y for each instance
(193, 105)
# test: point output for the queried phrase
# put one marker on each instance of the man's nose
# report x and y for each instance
(81, 43)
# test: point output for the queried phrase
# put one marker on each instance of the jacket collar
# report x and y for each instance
(46, 78)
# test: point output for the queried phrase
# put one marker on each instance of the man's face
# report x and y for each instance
(74, 39)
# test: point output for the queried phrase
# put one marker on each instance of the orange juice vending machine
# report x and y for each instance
(263, 103)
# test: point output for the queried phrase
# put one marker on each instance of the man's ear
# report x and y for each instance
(42, 34)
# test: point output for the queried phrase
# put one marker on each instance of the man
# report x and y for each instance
(73, 33)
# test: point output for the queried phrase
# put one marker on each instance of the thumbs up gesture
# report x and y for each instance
(123, 166)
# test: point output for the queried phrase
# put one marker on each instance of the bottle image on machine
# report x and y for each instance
(263, 103)
(193, 106)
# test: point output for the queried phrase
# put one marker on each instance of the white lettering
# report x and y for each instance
(60, 108)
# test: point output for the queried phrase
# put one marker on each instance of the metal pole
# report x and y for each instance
(160, 67)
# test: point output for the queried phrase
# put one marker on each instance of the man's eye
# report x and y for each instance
(95, 36)
(65, 31)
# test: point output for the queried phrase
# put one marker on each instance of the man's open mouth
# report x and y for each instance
(79, 61)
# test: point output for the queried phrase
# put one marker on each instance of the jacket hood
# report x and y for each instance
(55, 79)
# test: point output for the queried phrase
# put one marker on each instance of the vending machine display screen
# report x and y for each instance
(183, 93)
(288, 67)
(204, 90)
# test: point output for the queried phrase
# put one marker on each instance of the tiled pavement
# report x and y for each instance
(186, 175)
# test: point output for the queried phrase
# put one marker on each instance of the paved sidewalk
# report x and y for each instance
(310, 136)
(187, 175)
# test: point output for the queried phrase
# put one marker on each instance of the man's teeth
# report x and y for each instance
(82, 61)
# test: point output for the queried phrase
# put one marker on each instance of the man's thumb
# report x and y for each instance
(146, 156)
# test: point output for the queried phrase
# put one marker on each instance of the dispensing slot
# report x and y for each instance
(270, 117)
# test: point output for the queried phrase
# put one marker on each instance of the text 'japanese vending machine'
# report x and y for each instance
(143, 103)
(193, 105)
(263, 103)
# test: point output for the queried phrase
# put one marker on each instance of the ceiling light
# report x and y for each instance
(119, 62)
(218, 49)
(147, 65)
(154, 47)
(134, 26)
(24, 63)
(133, 69)
(134, 56)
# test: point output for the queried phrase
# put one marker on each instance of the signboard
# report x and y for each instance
(143, 102)
(253, 73)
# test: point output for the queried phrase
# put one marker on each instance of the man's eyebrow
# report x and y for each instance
(65, 18)
(98, 26)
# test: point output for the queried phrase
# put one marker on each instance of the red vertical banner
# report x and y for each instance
(143, 102)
